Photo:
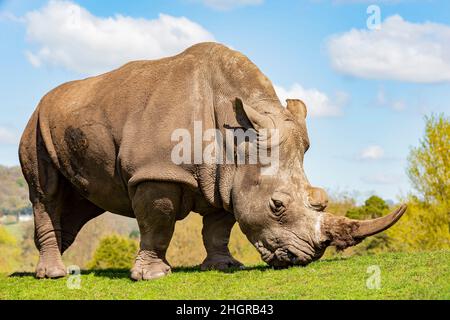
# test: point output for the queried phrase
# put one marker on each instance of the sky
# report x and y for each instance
(369, 71)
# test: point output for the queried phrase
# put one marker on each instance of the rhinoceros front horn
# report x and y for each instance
(368, 228)
(343, 232)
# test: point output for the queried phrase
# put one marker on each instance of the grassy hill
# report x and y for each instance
(402, 276)
(13, 190)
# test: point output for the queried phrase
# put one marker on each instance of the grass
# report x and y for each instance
(423, 275)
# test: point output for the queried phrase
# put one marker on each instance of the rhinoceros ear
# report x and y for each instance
(258, 120)
(297, 107)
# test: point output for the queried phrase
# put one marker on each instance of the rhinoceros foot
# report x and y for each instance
(50, 269)
(220, 263)
(147, 267)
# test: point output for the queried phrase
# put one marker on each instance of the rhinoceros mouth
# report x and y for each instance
(283, 257)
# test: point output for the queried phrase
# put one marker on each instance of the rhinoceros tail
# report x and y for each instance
(34, 152)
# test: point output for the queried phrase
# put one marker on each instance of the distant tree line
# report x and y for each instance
(16, 212)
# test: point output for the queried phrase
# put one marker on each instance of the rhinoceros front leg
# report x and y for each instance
(155, 206)
(216, 236)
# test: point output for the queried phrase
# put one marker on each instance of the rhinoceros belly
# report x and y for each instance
(87, 156)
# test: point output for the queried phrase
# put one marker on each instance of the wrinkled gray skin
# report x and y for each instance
(104, 144)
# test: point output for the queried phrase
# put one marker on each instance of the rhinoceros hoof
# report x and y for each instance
(221, 263)
(53, 271)
(150, 272)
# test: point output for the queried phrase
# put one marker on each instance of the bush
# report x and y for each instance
(9, 251)
(423, 227)
(114, 251)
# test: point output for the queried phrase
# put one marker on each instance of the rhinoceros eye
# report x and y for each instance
(277, 206)
(279, 202)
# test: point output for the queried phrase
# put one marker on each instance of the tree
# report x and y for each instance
(429, 163)
(426, 224)
(373, 207)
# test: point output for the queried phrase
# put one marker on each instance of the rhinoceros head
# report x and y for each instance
(281, 213)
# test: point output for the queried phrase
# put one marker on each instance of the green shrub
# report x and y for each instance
(9, 251)
(422, 227)
(114, 251)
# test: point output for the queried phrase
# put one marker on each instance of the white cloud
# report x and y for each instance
(70, 36)
(317, 102)
(7, 136)
(373, 152)
(400, 50)
(230, 4)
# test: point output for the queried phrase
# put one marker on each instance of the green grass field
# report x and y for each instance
(403, 276)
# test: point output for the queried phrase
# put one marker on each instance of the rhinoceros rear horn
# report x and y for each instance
(343, 232)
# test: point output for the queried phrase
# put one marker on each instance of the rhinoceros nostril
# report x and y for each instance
(292, 257)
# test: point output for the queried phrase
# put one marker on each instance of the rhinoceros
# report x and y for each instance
(105, 143)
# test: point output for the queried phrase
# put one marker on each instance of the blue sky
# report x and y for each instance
(367, 91)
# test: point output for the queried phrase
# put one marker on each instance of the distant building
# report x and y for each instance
(25, 217)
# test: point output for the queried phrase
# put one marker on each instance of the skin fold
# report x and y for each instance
(104, 144)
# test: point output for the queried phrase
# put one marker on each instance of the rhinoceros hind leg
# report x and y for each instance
(216, 235)
(46, 188)
(155, 205)
(47, 233)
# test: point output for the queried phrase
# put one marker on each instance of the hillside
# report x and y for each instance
(13, 190)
